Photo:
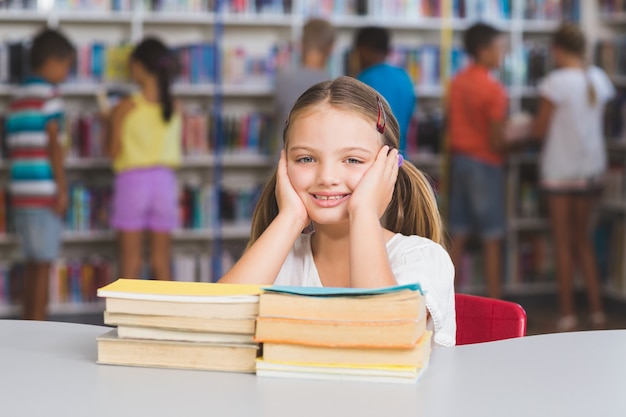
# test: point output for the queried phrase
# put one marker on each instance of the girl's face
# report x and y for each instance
(328, 152)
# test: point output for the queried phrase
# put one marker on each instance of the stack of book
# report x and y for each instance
(345, 334)
(189, 325)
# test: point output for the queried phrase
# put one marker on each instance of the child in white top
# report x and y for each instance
(340, 174)
(573, 160)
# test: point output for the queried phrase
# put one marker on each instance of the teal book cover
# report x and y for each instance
(339, 292)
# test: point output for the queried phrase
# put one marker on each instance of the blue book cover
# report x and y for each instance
(340, 292)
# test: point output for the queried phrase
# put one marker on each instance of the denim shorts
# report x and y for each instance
(39, 232)
(476, 198)
(145, 199)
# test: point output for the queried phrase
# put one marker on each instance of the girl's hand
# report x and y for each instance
(375, 189)
(289, 202)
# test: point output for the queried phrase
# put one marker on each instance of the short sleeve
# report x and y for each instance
(605, 88)
(550, 88)
(497, 104)
(423, 261)
(53, 109)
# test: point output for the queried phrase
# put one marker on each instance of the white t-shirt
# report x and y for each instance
(412, 258)
(574, 147)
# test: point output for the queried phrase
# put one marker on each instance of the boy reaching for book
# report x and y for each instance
(34, 127)
(374, 216)
(145, 132)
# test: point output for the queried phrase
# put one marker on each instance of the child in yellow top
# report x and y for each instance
(145, 146)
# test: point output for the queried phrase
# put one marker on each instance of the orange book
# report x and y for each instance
(334, 333)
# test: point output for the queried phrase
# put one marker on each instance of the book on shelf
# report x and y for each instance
(249, 133)
(72, 280)
(343, 333)
(607, 7)
(231, 357)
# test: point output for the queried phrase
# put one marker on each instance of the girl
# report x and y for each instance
(145, 145)
(340, 173)
(573, 161)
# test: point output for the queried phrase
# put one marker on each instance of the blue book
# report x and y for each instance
(340, 292)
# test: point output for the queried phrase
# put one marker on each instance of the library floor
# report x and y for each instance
(542, 312)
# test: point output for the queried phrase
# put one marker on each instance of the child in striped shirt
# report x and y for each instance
(37, 183)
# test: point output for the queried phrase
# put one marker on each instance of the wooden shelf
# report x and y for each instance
(243, 160)
(614, 18)
(619, 206)
(86, 16)
(528, 224)
(23, 16)
(515, 289)
(228, 231)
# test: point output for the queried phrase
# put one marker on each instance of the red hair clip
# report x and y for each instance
(382, 121)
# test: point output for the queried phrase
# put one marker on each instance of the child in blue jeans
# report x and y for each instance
(37, 181)
(145, 146)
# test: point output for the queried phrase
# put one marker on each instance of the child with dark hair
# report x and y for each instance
(34, 127)
(477, 112)
(145, 146)
(372, 45)
(573, 161)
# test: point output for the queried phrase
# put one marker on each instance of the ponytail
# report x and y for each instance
(159, 61)
(165, 94)
(413, 208)
(265, 211)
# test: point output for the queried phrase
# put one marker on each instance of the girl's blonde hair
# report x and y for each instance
(413, 207)
(572, 40)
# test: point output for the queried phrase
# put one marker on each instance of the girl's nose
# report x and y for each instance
(328, 174)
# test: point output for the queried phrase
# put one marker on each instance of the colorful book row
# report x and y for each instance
(200, 207)
(71, 280)
(474, 9)
(99, 62)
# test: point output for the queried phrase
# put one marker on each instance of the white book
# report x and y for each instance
(133, 332)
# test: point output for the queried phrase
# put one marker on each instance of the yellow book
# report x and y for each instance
(178, 291)
(181, 299)
(392, 374)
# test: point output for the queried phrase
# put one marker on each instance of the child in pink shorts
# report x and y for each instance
(145, 146)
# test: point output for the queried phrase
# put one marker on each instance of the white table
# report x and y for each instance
(49, 369)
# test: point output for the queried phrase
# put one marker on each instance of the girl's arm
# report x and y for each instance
(115, 126)
(369, 262)
(262, 262)
(543, 118)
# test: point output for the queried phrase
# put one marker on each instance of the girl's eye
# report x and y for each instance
(305, 160)
(353, 161)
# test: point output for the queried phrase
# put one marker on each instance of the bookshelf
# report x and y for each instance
(251, 30)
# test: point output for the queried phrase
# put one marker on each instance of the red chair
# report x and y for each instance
(481, 319)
